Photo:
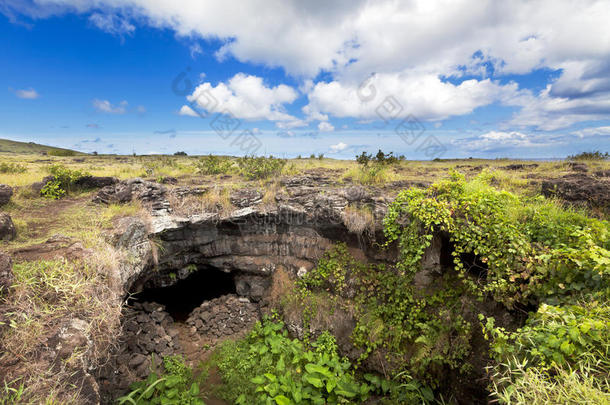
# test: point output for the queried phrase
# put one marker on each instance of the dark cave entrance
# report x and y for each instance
(181, 298)
(473, 264)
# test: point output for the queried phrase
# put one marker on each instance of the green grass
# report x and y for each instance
(14, 147)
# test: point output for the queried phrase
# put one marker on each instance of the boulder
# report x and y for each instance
(578, 167)
(520, 166)
(89, 182)
(7, 228)
(6, 192)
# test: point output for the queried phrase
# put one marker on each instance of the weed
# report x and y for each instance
(252, 167)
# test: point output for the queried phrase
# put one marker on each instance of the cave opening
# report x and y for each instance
(474, 265)
(182, 297)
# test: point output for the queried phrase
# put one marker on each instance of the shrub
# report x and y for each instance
(12, 168)
(252, 167)
(380, 158)
(174, 385)
(180, 153)
(534, 254)
(595, 155)
(61, 152)
(63, 181)
(211, 164)
(269, 367)
(53, 190)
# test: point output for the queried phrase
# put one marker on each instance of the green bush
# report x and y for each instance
(380, 158)
(261, 167)
(544, 353)
(174, 385)
(268, 367)
(534, 251)
(62, 182)
(53, 190)
(12, 168)
(61, 152)
(595, 155)
(211, 164)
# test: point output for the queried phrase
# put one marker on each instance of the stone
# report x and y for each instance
(136, 360)
(6, 192)
(520, 166)
(90, 182)
(6, 273)
(158, 316)
(7, 228)
(579, 167)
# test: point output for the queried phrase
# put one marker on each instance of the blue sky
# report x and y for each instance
(420, 78)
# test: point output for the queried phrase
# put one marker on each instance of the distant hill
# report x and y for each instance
(8, 146)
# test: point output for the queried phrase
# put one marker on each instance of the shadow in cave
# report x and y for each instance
(181, 298)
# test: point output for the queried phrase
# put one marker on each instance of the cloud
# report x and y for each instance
(294, 123)
(165, 132)
(141, 109)
(548, 112)
(106, 107)
(28, 94)
(493, 141)
(92, 125)
(592, 132)
(338, 147)
(112, 24)
(457, 50)
(325, 127)
(246, 97)
(188, 111)
(195, 50)
(397, 95)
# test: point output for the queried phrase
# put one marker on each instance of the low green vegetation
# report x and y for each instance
(267, 367)
(260, 167)
(173, 385)
(211, 164)
(595, 155)
(374, 169)
(63, 181)
(12, 168)
(535, 254)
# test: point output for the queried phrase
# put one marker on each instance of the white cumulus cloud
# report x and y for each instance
(246, 96)
(29, 94)
(338, 147)
(325, 127)
(106, 107)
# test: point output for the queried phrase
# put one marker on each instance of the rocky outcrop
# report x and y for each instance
(7, 228)
(91, 182)
(579, 189)
(6, 192)
(246, 197)
(149, 193)
(250, 243)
